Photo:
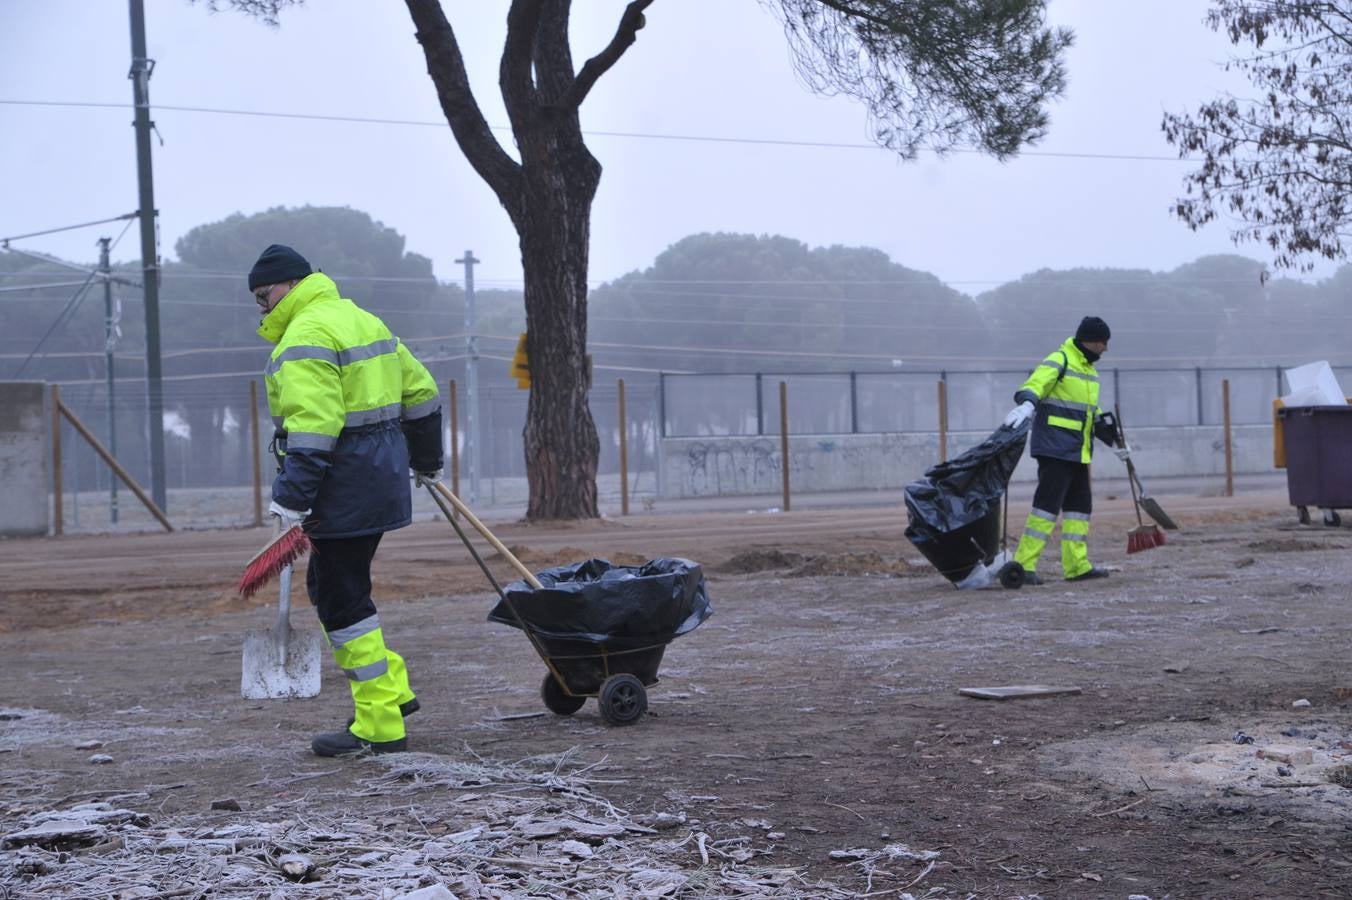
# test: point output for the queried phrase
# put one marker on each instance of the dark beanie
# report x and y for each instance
(1091, 329)
(277, 264)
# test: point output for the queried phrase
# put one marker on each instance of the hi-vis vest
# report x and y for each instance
(1065, 387)
(344, 392)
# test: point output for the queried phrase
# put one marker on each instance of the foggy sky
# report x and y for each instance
(713, 68)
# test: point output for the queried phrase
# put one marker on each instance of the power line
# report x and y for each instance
(4, 242)
(695, 138)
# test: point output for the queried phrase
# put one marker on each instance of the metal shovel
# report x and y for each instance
(279, 662)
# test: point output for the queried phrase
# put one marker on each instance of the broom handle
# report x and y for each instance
(1131, 470)
(464, 510)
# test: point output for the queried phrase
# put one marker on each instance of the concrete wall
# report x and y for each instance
(729, 466)
(24, 454)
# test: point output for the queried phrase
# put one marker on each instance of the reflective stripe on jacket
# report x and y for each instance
(1065, 387)
(352, 403)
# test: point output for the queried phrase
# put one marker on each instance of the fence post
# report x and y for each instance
(854, 403)
(455, 442)
(57, 487)
(943, 420)
(784, 438)
(257, 450)
(1229, 459)
(624, 455)
(760, 405)
(1200, 419)
(661, 406)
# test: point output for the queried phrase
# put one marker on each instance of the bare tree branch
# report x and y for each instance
(514, 71)
(553, 55)
(446, 65)
(625, 35)
(1281, 163)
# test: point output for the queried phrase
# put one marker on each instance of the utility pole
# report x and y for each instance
(141, 68)
(471, 380)
(110, 330)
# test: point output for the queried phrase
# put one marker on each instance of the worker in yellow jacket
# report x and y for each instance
(354, 413)
(1061, 397)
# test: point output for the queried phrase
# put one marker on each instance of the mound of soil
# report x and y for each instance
(852, 564)
(568, 556)
(759, 559)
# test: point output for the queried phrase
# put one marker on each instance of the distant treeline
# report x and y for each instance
(710, 302)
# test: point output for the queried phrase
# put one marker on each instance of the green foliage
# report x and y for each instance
(935, 73)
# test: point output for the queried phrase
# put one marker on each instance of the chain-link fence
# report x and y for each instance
(209, 445)
(880, 402)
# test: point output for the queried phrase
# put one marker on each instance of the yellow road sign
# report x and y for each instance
(520, 365)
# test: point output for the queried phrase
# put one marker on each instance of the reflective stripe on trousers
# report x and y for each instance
(378, 679)
(1037, 531)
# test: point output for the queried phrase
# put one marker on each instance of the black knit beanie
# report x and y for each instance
(277, 264)
(1091, 329)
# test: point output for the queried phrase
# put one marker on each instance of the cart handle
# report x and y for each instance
(487, 535)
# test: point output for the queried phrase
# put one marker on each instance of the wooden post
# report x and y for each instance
(257, 452)
(113, 464)
(784, 439)
(943, 420)
(1229, 456)
(624, 455)
(455, 441)
(56, 460)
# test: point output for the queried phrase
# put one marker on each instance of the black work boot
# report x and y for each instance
(1092, 573)
(345, 743)
(1031, 577)
(406, 709)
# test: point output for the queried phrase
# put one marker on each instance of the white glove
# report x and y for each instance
(288, 517)
(423, 479)
(1122, 453)
(1019, 414)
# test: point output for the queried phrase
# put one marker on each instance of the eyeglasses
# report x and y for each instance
(263, 293)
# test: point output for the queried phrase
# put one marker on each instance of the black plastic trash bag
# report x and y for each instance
(953, 512)
(621, 607)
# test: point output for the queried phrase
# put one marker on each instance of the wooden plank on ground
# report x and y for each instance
(1017, 691)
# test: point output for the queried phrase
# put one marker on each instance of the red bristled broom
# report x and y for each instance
(268, 563)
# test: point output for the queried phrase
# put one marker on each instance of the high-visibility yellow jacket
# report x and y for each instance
(354, 409)
(1065, 387)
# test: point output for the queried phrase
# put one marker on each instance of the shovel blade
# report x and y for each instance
(1152, 509)
(273, 672)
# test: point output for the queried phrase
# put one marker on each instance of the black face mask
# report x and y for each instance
(1088, 354)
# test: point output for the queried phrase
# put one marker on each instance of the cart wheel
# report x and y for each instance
(556, 701)
(1303, 515)
(1011, 576)
(622, 700)
(1332, 519)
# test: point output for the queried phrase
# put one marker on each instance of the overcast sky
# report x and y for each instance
(701, 68)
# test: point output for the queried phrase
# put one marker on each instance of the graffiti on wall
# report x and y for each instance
(732, 467)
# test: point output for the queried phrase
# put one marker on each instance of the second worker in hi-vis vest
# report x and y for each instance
(1061, 396)
(354, 413)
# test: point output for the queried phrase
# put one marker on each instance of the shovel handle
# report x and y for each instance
(473, 520)
(283, 629)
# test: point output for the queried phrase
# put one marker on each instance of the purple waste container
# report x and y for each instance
(1318, 456)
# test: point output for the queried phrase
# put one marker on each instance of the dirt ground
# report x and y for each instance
(815, 713)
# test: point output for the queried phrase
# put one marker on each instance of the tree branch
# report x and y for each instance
(625, 35)
(446, 65)
(553, 56)
(514, 72)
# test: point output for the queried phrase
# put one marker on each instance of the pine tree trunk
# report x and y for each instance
(561, 445)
